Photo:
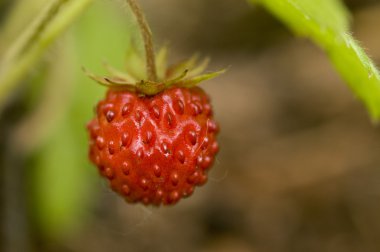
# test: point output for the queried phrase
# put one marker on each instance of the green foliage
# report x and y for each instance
(326, 23)
(63, 175)
(30, 44)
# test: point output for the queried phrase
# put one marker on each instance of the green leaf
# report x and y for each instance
(30, 45)
(326, 22)
(60, 185)
(64, 180)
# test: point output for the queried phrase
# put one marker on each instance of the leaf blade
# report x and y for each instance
(326, 23)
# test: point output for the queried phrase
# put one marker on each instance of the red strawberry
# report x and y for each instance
(154, 137)
(154, 149)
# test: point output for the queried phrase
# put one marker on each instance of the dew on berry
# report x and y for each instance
(126, 110)
(194, 109)
(199, 160)
(174, 178)
(181, 156)
(146, 200)
(169, 118)
(138, 116)
(212, 126)
(193, 178)
(173, 196)
(144, 184)
(111, 147)
(109, 173)
(125, 168)
(188, 192)
(202, 179)
(206, 162)
(207, 109)
(148, 137)
(205, 142)
(157, 170)
(165, 148)
(179, 107)
(156, 111)
(97, 160)
(110, 115)
(215, 147)
(159, 193)
(140, 153)
(125, 189)
(192, 136)
(105, 107)
(125, 139)
(199, 107)
(100, 142)
(93, 128)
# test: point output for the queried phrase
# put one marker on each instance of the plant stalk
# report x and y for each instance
(30, 45)
(148, 40)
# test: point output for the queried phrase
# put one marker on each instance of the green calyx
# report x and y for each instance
(188, 73)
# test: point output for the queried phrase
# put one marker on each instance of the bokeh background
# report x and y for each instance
(299, 166)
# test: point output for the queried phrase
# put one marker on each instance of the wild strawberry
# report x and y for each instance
(154, 149)
(154, 141)
(154, 137)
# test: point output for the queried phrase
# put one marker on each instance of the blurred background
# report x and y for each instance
(299, 166)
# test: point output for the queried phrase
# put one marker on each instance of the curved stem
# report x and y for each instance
(148, 40)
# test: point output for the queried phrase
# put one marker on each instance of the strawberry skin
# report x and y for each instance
(154, 149)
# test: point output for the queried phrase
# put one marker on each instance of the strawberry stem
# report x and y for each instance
(148, 40)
